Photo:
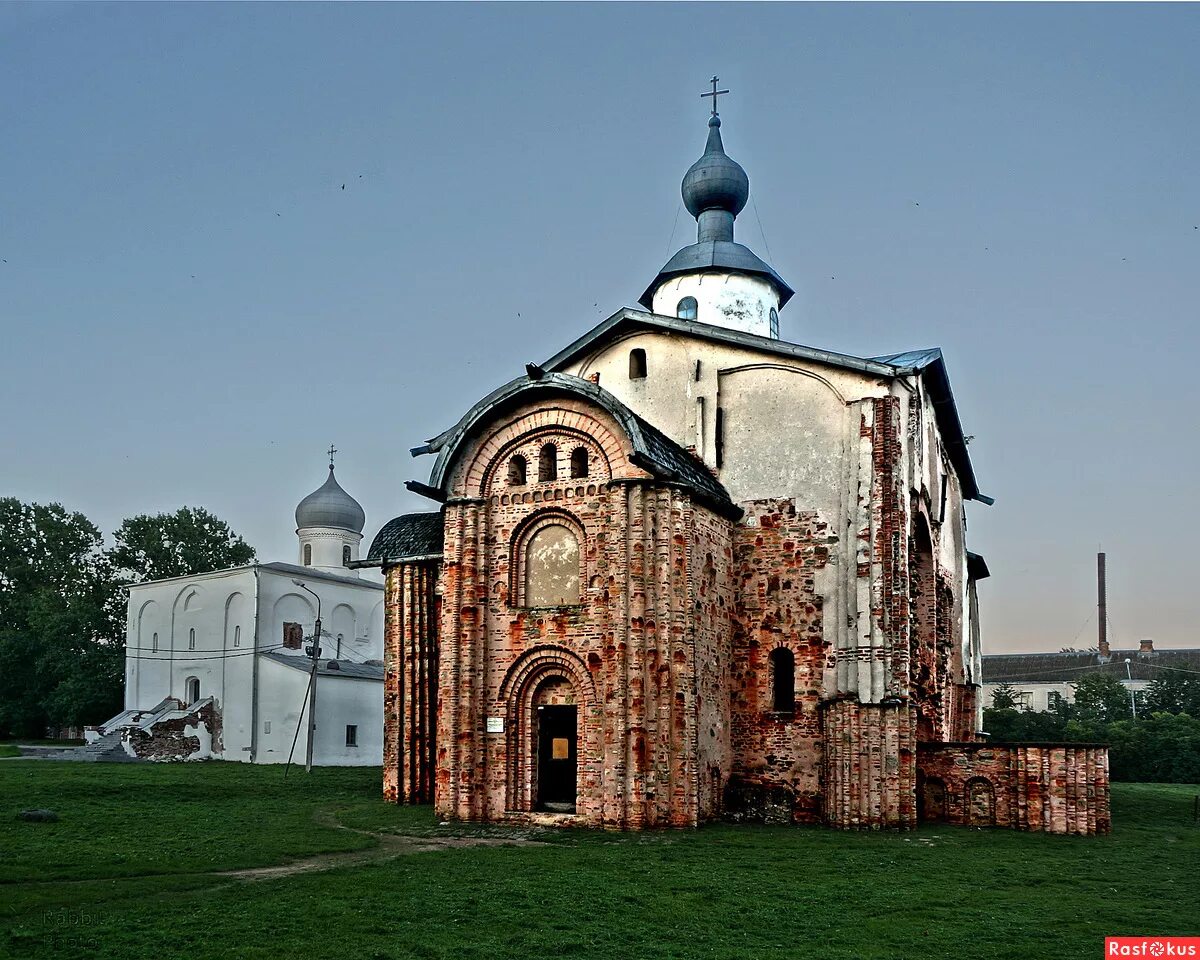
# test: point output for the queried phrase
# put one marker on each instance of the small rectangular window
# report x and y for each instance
(266, 726)
(351, 735)
(293, 636)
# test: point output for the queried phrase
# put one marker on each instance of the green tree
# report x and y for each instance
(190, 540)
(61, 651)
(1174, 693)
(1099, 696)
(1004, 697)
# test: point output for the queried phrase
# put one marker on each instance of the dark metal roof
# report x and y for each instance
(412, 536)
(715, 255)
(927, 363)
(1066, 667)
(653, 451)
(977, 568)
(349, 669)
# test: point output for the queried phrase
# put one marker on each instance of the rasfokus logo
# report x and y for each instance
(1152, 947)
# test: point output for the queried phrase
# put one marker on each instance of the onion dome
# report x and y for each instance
(715, 181)
(715, 190)
(330, 506)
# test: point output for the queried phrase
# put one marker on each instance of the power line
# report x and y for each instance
(770, 259)
(249, 651)
(1093, 666)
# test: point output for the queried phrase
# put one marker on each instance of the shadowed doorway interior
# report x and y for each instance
(556, 758)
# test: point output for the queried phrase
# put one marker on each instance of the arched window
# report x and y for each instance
(783, 680)
(548, 463)
(308, 554)
(154, 644)
(193, 690)
(637, 364)
(192, 639)
(346, 556)
(774, 323)
(579, 463)
(237, 636)
(686, 308)
(551, 567)
(516, 471)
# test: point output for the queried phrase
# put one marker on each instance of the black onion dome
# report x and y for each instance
(715, 182)
(330, 506)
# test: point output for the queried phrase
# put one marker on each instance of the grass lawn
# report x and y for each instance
(129, 871)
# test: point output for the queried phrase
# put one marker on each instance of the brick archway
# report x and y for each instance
(534, 672)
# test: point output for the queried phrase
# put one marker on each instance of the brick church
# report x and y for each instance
(685, 569)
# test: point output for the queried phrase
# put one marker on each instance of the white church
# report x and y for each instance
(218, 665)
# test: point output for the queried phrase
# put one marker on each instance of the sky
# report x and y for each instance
(233, 234)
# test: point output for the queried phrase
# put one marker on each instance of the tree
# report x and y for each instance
(190, 540)
(61, 651)
(1004, 697)
(1100, 696)
(1174, 693)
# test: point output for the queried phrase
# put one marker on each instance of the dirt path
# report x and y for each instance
(388, 846)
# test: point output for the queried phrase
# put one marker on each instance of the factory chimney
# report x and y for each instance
(1102, 605)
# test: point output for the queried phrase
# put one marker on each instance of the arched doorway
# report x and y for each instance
(980, 803)
(931, 799)
(556, 733)
(538, 686)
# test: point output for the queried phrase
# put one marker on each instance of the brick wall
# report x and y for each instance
(777, 753)
(870, 765)
(410, 682)
(629, 651)
(1053, 788)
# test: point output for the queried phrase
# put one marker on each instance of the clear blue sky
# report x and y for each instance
(192, 307)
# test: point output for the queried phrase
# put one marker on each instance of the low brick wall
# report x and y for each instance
(1049, 787)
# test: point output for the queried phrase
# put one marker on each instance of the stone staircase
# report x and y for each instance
(107, 749)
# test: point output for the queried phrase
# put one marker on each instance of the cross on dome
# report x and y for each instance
(714, 94)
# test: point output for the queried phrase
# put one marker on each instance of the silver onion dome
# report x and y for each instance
(715, 181)
(330, 506)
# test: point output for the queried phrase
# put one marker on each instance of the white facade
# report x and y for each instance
(747, 409)
(1039, 696)
(737, 301)
(329, 549)
(223, 634)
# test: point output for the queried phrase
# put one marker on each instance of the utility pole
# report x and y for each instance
(1132, 699)
(312, 680)
(1102, 602)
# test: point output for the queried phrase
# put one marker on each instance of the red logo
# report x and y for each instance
(1152, 947)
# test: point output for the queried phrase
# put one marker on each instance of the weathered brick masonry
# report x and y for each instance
(750, 660)
(777, 752)
(1056, 788)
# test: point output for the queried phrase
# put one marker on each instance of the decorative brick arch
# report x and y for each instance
(524, 533)
(518, 691)
(494, 478)
(568, 421)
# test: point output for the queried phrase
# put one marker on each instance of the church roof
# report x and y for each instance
(927, 363)
(412, 536)
(348, 669)
(653, 451)
(330, 506)
(709, 255)
(295, 570)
